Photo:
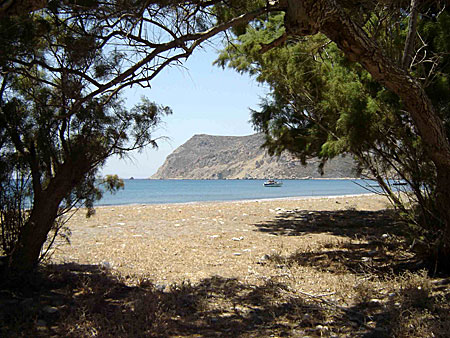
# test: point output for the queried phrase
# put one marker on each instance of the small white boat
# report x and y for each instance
(272, 183)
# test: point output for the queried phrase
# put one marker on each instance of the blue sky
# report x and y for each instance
(205, 99)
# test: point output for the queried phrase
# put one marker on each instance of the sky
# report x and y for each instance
(205, 99)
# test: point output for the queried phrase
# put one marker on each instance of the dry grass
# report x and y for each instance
(320, 270)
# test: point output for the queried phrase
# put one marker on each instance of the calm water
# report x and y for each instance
(183, 191)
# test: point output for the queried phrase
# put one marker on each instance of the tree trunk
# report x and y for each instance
(309, 16)
(45, 209)
(34, 234)
(443, 203)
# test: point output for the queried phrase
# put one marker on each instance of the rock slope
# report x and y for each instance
(241, 157)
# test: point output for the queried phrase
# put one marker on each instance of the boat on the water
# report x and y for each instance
(273, 183)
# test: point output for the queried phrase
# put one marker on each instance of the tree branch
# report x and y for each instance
(412, 29)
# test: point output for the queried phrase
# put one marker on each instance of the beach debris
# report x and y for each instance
(50, 309)
(375, 302)
(372, 252)
(120, 223)
(265, 257)
(247, 250)
(161, 287)
(237, 254)
(322, 328)
(214, 236)
(41, 323)
(177, 225)
(106, 265)
(237, 238)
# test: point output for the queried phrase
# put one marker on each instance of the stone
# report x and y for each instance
(41, 322)
(106, 265)
(50, 309)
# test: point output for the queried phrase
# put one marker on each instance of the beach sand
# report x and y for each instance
(177, 242)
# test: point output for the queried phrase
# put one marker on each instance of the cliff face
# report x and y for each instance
(233, 157)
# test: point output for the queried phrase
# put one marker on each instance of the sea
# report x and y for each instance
(145, 191)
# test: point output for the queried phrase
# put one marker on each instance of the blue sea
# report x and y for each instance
(143, 191)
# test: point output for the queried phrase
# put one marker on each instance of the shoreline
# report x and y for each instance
(293, 198)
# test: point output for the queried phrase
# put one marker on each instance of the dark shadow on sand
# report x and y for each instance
(74, 300)
(378, 243)
(83, 300)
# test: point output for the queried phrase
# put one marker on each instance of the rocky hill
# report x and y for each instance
(241, 157)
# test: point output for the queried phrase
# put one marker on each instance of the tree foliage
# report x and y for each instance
(379, 87)
(321, 104)
(63, 66)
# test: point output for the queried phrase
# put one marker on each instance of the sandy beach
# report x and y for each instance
(176, 242)
(305, 267)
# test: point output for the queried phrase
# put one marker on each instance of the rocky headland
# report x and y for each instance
(241, 157)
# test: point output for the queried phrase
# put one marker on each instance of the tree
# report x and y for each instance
(323, 105)
(63, 67)
(335, 21)
(91, 50)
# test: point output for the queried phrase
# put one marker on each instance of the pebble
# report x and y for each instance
(375, 301)
(41, 322)
(237, 238)
(237, 254)
(161, 287)
(214, 236)
(50, 309)
(106, 265)
(322, 328)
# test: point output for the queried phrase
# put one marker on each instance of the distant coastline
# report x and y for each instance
(251, 179)
(244, 158)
